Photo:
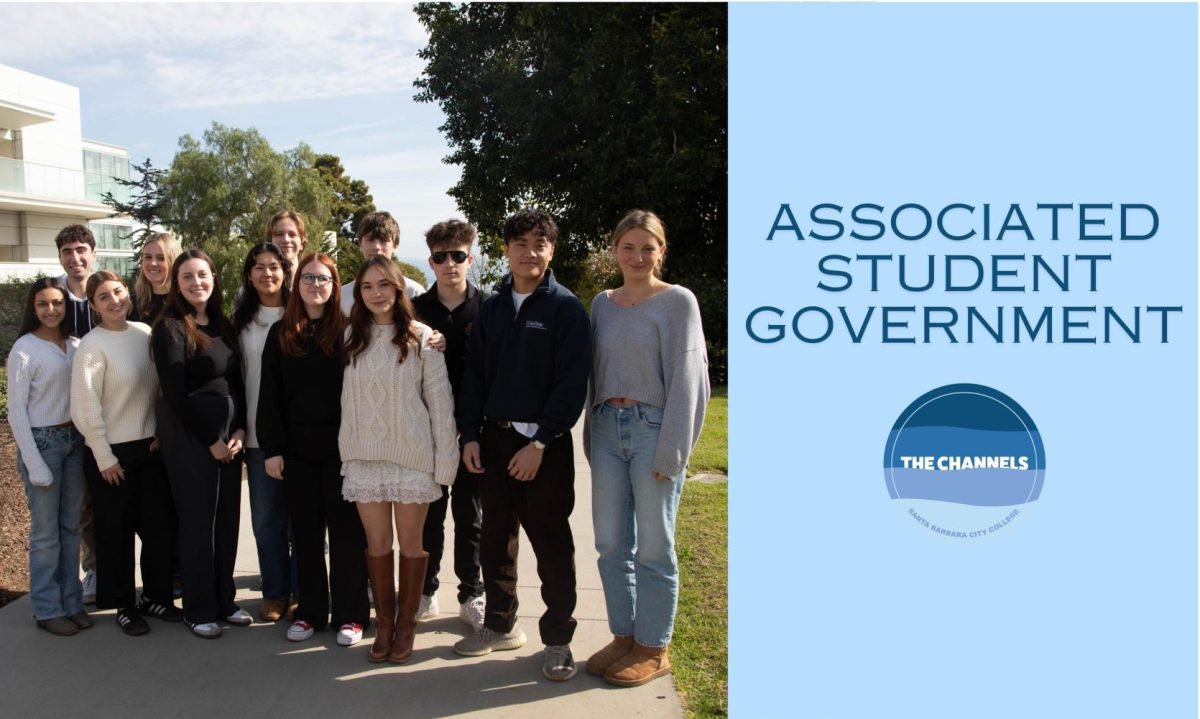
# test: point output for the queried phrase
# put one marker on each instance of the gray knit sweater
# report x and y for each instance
(653, 352)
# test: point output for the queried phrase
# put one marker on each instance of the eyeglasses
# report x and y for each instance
(458, 256)
(309, 278)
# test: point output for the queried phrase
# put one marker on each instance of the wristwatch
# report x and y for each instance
(538, 445)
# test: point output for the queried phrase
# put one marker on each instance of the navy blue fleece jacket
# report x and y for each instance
(530, 366)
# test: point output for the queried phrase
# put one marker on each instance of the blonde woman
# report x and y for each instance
(649, 392)
(153, 282)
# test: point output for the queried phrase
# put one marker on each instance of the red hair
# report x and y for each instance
(327, 330)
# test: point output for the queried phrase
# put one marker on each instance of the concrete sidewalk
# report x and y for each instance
(255, 671)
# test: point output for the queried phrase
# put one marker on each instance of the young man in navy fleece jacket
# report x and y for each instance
(523, 387)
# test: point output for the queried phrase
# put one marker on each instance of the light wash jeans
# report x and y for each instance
(634, 519)
(54, 587)
(272, 532)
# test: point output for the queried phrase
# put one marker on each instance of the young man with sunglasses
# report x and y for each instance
(450, 307)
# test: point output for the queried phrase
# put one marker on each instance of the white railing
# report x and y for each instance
(32, 178)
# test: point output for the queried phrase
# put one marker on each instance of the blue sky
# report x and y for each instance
(338, 77)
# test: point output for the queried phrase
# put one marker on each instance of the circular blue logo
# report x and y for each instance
(964, 460)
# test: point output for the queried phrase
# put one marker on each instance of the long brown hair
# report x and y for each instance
(30, 321)
(178, 310)
(328, 330)
(360, 316)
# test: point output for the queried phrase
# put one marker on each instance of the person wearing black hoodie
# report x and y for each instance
(524, 385)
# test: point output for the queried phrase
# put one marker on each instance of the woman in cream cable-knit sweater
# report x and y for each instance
(113, 390)
(397, 442)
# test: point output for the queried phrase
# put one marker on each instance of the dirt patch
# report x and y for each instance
(14, 523)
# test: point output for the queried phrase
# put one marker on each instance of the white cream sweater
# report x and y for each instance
(114, 386)
(401, 412)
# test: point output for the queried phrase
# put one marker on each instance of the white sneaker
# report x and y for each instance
(349, 634)
(299, 631)
(471, 612)
(429, 607)
(89, 588)
(240, 618)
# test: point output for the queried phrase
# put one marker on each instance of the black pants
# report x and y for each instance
(313, 490)
(140, 503)
(208, 498)
(543, 507)
(465, 506)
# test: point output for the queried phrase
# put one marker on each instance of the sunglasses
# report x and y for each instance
(318, 280)
(458, 256)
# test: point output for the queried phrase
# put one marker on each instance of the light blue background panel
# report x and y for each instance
(841, 605)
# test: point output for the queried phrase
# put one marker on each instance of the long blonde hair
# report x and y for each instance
(648, 221)
(141, 286)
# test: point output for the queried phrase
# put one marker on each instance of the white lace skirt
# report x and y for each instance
(379, 481)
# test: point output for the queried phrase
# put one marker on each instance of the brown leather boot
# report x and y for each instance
(639, 666)
(383, 588)
(411, 578)
(599, 662)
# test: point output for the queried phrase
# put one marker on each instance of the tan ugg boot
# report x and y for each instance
(383, 588)
(639, 666)
(599, 662)
(408, 599)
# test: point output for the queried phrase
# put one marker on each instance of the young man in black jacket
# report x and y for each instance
(524, 385)
(450, 307)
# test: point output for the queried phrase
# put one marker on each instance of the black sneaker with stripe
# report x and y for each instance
(131, 622)
(165, 612)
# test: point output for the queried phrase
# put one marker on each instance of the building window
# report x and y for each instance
(121, 264)
(112, 237)
(99, 169)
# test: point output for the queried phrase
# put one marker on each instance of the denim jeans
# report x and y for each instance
(634, 519)
(272, 534)
(54, 587)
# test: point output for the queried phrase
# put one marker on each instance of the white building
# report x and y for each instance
(51, 177)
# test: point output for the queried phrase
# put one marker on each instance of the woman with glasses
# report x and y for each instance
(299, 412)
(266, 275)
(649, 393)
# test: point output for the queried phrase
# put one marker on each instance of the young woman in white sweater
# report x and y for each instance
(113, 390)
(265, 288)
(397, 441)
(49, 456)
(648, 396)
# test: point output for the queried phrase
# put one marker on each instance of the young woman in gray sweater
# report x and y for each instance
(649, 392)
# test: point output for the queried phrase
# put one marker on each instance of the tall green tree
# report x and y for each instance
(221, 190)
(352, 202)
(145, 200)
(589, 111)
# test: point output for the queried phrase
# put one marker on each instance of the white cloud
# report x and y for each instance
(220, 55)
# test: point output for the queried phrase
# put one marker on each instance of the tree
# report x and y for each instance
(220, 192)
(589, 111)
(352, 202)
(145, 201)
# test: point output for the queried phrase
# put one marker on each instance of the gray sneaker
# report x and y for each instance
(485, 641)
(558, 664)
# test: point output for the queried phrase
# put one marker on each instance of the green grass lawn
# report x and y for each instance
(700, 647)
(699, 650)
(712, 451)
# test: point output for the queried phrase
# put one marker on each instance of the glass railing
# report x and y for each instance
(32, 178)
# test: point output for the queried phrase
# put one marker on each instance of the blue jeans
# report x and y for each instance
(54, 587)
(634, 519)
(272, 534)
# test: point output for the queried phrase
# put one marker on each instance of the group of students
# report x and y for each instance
(363, 415)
